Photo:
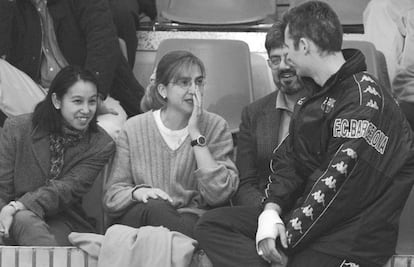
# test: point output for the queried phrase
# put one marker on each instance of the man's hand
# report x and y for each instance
(6, 219)
(270, 228)
(267, 247)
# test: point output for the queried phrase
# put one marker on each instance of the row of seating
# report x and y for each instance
(230, 83)
(230, 12)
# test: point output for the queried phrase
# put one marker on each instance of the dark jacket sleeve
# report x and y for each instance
(102, 45)
(246, 162)
(7, 9)
(284, 181)
(64, 191)
(355, 173)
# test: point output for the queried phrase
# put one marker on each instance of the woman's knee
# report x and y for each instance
(27, 220)
(141, 213)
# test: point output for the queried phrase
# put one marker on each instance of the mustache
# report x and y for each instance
(287, 71)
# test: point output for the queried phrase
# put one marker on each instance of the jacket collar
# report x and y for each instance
(41, 143)
(354, 63)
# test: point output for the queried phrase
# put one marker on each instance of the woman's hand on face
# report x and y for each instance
(196, 114)
(6, 219)
(143, 194)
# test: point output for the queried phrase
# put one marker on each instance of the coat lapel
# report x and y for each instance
(40, 149)
(268, 125)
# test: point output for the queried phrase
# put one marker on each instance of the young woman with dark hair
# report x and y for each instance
(49, 160)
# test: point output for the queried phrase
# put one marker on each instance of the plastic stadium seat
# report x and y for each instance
(262, 76)
(375, 60)
(229, 79)
(349, 11)
(213, 12)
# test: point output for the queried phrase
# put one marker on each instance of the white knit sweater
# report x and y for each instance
(143, 158)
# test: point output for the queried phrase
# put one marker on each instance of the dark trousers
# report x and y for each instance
(159, 213)
(125, 15)
(28, 229)
(227, 235)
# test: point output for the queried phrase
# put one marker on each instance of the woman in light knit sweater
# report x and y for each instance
(174, 161)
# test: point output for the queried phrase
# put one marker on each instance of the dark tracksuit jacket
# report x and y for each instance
(343, 175)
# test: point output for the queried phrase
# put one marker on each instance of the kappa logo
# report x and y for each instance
(349, 264)
(350, 153)
(301, 101)
(308, 211)
(328, 104)
(367, 79)
(372, 104)
(372, 91)
(341, 167)
(330, 182)
(296, 224)
(319, 197)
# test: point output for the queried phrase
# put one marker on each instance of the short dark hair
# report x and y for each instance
(168, 70)
(275, 36)
(45, 115)
(317, 21)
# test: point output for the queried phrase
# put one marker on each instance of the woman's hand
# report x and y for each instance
(193, 129)
(6, 219)
(144, 193)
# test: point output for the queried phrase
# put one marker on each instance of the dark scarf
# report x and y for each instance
(58, 143)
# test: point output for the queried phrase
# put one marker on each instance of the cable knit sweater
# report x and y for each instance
(144, 158)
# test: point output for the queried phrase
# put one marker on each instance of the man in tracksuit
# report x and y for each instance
(341, 178)
(350, 155)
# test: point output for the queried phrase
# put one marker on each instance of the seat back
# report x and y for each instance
(229, 79)
(263, 83)
(218, 12)
(349, 11)
(374, 59)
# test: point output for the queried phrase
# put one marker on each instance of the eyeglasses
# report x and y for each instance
(274, 62)
(186, 83)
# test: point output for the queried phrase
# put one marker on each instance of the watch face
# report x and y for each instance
(201, 140)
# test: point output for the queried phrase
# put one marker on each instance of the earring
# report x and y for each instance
(164, 96)
(57, 107)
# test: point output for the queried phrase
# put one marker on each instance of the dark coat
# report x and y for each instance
(86, 36)
(25, 166)
(256, 140)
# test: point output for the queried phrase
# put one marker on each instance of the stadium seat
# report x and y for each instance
(218, 12)
(229, 78)
(349, 11)
(375, 60)
(262, 76)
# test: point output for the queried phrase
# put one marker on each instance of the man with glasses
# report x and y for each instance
(265, 124)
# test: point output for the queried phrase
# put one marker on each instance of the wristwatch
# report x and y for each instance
(199, 141)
